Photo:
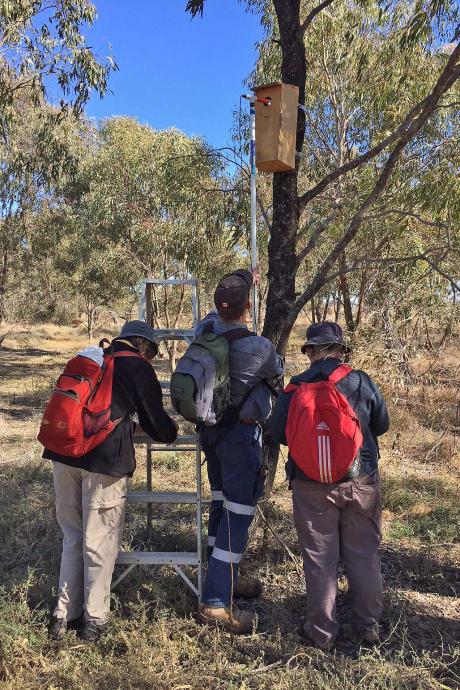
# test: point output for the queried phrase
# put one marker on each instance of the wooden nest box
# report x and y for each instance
(276, 127)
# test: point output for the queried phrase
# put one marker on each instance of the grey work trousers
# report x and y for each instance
(90, 511)
(339, 522)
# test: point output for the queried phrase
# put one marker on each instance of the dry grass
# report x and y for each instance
(154, 642)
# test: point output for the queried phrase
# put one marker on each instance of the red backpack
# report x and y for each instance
(77, 416)
(322, 430)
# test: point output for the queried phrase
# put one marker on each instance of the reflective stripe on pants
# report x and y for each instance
(234, 459)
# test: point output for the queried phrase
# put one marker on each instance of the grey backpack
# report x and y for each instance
(200, 384)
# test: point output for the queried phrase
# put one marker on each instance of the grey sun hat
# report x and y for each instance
(324, 333)
(138, 329)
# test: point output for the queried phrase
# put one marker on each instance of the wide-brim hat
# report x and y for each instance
(138, 329)
(324, 333)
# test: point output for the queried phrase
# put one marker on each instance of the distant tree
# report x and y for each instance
(45, 54)
(144, 205)
(29, 172)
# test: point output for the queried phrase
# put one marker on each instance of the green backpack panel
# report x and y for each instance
(200, 384)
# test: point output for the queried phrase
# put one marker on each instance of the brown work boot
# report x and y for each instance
(233, 619)
(369, 635)
(247, 588)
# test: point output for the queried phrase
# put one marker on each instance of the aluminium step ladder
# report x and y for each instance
(188, 443)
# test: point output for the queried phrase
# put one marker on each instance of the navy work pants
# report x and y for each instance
(234, 460)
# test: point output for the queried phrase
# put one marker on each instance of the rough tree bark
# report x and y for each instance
(345, 289)
(282, 260)
(3, 281)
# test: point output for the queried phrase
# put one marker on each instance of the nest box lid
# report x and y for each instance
(272, 85)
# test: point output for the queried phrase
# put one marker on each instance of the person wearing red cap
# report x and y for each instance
(233, 450)
(341, 519)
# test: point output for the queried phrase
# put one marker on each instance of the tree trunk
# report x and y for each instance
(345, 289)
(3, 280)
(362, 291)
(313, 311)
(326, 307)
(90, 316)
(282, 261)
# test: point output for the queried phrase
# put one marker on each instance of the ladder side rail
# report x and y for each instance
(143, 302)
(188, 582)
(149, 485)
(171, 281)
(199, 519)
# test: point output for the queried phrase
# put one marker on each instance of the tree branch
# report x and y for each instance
(366, 260)
(264, 213)
(447, 78)
(411, 214)
(313, 240)
(454, 284)
(316, 10)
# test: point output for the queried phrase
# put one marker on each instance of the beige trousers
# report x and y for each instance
(90, 510)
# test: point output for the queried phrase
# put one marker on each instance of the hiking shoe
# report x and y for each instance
(247, 589)
(233, 619)
(59, 626)
(91, 632)
(304, 633)
(369, 635)
(76, 623)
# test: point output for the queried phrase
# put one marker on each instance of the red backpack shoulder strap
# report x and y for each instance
(128, 354)
(339, 373)
(291, 387)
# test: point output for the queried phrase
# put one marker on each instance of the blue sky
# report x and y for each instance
(174, 71)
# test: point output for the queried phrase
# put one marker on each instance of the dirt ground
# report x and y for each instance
(154, 641)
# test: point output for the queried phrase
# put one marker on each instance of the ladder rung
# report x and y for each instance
(189, 440)
(157, 557)
(174, 334)
(171, 281)
(162, 497)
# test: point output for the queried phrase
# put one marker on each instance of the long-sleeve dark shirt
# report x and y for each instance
(364, 397)
(252, 361)
(135, 389)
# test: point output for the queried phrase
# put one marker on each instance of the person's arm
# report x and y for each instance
(148, 402)
(209, 318)
(273, 366)
(379, 420)
(278, 419)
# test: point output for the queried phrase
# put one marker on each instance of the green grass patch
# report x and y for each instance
(440, 525)
(425, 509)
